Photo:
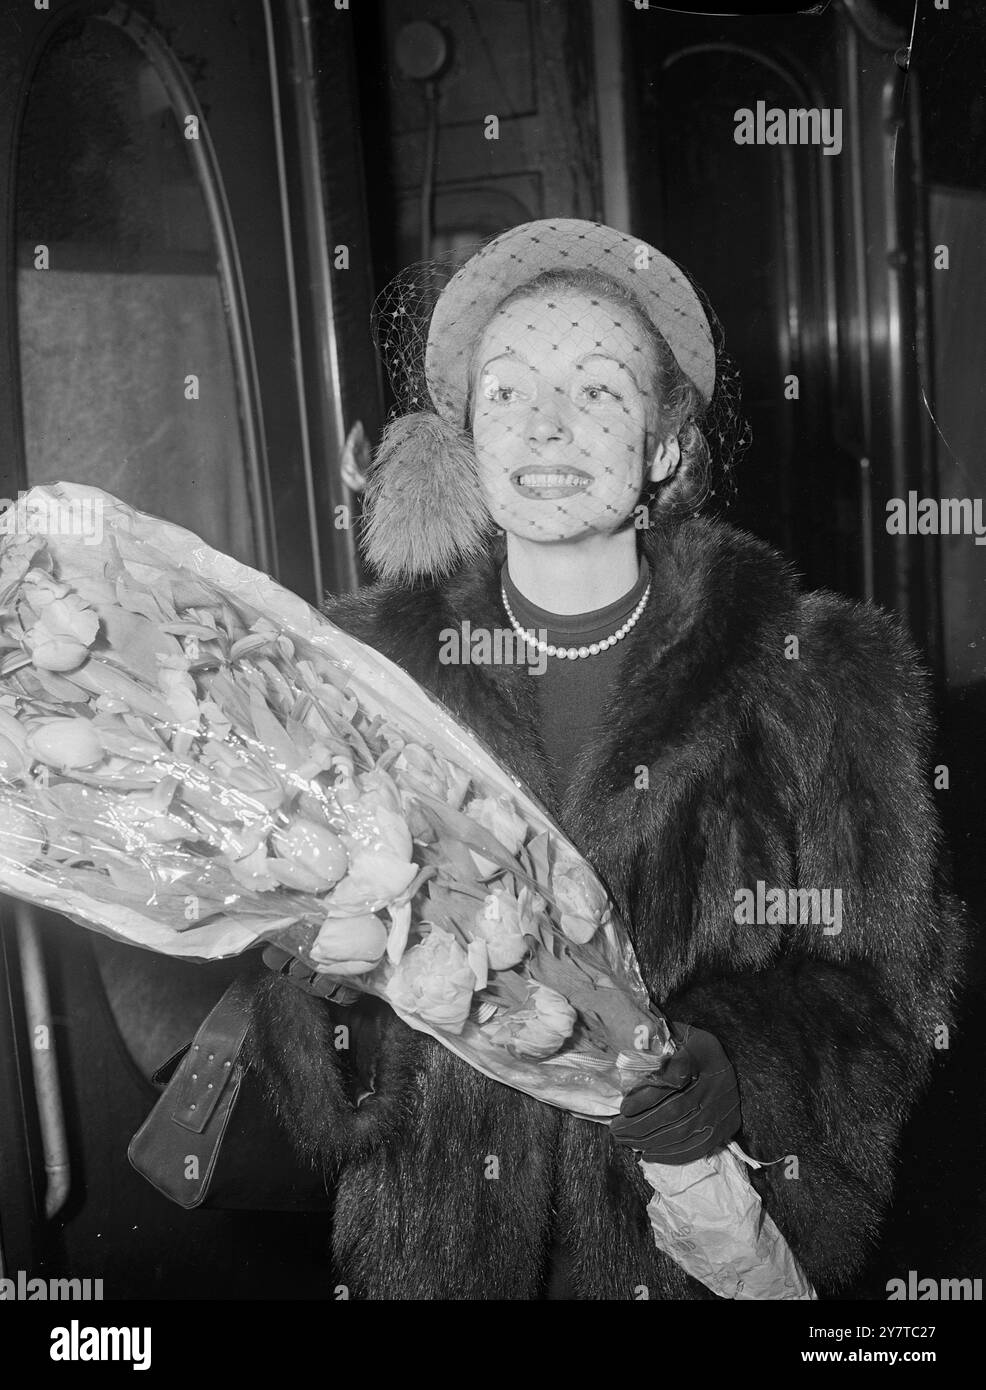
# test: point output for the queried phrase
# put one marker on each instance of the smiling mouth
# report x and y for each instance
(549, 482)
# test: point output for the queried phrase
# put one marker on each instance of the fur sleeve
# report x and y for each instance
(833, 1042)
(295, 1044)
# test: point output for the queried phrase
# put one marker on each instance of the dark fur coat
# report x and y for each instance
(807, 770)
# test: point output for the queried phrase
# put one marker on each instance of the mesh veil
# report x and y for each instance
(400, 321)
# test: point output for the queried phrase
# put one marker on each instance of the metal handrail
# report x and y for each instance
(44, 1063)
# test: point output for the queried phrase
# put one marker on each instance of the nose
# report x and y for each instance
(548, 423)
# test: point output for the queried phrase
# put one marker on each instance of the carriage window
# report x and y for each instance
(127, 372)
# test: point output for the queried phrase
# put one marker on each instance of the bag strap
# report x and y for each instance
(211, 1058)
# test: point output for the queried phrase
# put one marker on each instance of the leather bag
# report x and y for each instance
(212, 1140)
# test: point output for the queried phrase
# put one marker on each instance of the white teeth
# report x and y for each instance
(551, 480)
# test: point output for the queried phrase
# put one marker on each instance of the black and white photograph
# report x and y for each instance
(492, 669)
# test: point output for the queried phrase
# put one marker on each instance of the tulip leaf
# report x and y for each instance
(222, 692)
(279, 748)
(14, 662)
(538, 851)
(136, 599)
(462, 828)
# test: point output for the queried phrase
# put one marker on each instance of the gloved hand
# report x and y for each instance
(296, 972)
(688, 1109)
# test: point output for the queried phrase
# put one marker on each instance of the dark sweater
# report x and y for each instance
(572, 695)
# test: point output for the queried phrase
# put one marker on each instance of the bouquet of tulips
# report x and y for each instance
(194, 760)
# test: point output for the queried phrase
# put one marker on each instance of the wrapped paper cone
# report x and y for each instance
(708, 1217)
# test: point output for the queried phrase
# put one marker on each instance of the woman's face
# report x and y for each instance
(564, 406)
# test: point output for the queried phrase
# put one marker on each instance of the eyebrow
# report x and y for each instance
(605, 357)
(510, 355)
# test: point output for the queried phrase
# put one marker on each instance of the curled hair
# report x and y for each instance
(711, 435)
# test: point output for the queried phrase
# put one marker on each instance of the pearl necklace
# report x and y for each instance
(574, 653)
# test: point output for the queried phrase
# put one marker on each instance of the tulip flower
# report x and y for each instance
(380, 864)
(313, 848)
(501, 923)
(66, 743)
(349, 945)
(537, 1030)
(581, 901)
(61, 637)
(434, 981)
(40, 589)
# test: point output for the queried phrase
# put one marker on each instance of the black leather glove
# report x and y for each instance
(296, 972)
(688, 1109)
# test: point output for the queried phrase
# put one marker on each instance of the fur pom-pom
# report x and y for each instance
(425, 511)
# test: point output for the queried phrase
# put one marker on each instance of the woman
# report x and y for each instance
(706, 733)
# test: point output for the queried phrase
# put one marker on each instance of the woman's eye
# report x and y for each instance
(495, 390)
(597, 392)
